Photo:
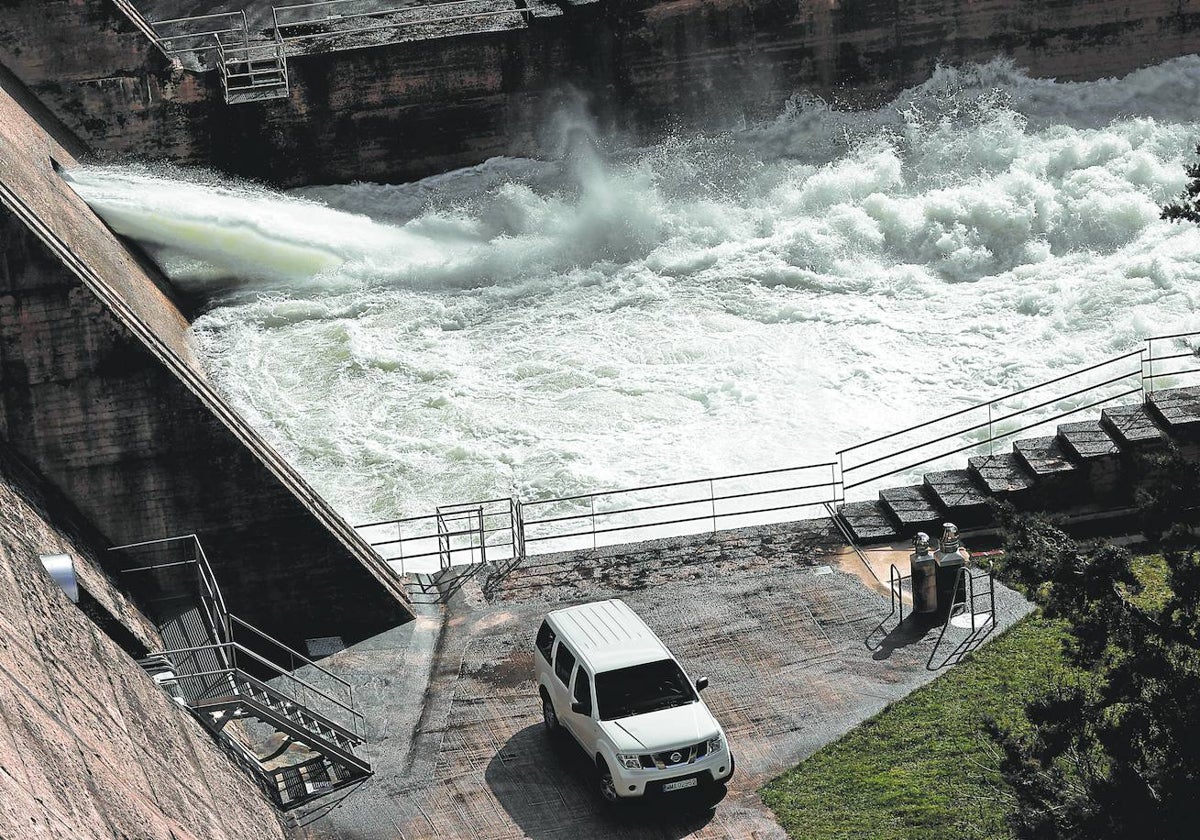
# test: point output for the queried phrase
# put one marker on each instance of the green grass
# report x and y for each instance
(925, 767)
(1151, 570)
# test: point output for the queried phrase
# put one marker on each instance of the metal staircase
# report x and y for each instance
(251, 71)
(233, 678)
(253, 65)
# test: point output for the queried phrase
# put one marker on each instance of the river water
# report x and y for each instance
(708, 305)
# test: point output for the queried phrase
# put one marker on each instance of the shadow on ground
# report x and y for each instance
(533, 763)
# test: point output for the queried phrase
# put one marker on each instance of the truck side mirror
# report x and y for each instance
(701, 683)
(580, 709)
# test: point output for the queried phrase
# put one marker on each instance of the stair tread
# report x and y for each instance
(1001, 473)
(911, 505)
(1088, 439)
(1043, 456)
(955, 489)
(1178, 407)
(868, 521)
(1132, 425)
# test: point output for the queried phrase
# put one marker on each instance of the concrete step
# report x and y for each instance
(1043, 456)
(1132, 427)
(1177, 410)
(1001, 474)
(914, 508)
(868, 522)
(964, 501)
(1087, 440)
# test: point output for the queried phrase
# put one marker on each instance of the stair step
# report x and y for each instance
(868, 522)
(1001, 474)
(959, 495)
(912, 506)
(1132, 426)
(1042, 456)
(1179, 409)
(1087, 440)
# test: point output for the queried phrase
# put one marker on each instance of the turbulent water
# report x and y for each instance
(704, 306)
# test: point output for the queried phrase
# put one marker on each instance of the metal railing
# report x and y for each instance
(261, 655)
(979, 624)
(456, 535)
(244, 663)
(589, 520)
(331, 18)
(180, 552)
(1168, 358)
(1037, 408)
(202, 33)
(980, 426)
(511, 529)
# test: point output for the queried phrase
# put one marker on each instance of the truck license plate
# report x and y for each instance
(680, 785)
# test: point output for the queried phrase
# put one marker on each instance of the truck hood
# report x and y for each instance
(664, 729)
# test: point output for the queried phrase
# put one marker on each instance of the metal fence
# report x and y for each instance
(983, 428)
(509, 529)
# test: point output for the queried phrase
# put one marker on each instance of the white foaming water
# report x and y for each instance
(705, 306)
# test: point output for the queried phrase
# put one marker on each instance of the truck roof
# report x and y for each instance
(606, 635)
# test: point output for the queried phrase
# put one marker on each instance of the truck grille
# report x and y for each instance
(676, 757)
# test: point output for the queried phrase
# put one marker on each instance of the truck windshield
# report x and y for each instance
(642, 688)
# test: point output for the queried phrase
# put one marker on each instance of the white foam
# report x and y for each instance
(708, 305)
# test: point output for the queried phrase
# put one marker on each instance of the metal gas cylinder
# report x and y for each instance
(923, 569)
(950, 557)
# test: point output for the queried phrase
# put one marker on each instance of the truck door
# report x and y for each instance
(580, 723)
(560, 686)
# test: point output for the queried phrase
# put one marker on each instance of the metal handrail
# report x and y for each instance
(974, 444)
(238, 647)
(517, 520)
(294, 653)
(663, 486)
(986, 403)
(660, 523)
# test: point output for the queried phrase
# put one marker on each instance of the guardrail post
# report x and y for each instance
(592, 499)
(712, 499)
(990, 436)
(1148, 359)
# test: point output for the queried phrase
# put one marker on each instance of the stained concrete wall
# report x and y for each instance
(404, 110)
(90, 747)
(102, 395)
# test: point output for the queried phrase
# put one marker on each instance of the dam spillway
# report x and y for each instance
(542, 328)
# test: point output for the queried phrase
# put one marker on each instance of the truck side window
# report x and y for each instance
(564, 661)
(583, 690)
(545, 640)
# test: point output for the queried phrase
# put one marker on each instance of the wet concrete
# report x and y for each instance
(776, 618)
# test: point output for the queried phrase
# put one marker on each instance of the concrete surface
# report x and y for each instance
(775, 617)
(90, 747)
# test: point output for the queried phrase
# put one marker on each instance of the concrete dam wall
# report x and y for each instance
(395, 111)
(103, 396)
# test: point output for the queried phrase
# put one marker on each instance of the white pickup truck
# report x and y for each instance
(607, 679)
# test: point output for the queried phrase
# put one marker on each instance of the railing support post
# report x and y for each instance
(1148, 368)
(592, 499)
(990, 434)
(712, 500)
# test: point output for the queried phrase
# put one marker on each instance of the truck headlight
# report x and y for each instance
(630, 761)
(714, 745)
